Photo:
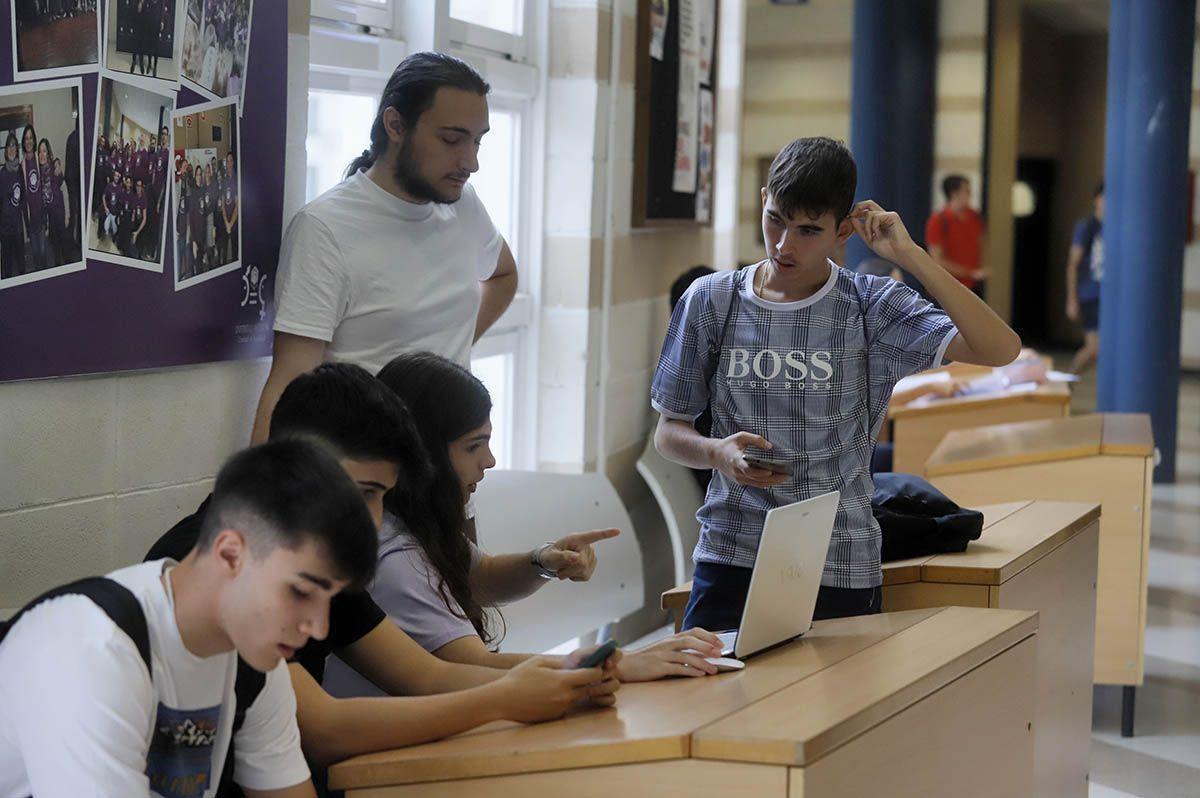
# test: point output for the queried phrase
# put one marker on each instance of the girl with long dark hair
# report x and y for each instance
(434, 582)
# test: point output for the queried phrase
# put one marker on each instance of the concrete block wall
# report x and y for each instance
(94, 469)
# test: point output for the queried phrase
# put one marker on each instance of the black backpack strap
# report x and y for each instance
(739, 280)
(117, 601)
(246, 687)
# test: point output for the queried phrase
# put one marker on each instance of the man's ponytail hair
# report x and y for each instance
(410, 90)
(288, 492)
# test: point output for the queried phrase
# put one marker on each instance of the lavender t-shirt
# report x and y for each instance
(406, 587)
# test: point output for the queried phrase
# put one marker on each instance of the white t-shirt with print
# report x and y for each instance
(377, 276)
(79, 714)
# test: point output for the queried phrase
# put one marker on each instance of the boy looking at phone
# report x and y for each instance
(797, 357)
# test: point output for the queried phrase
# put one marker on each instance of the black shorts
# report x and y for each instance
(1089, 315)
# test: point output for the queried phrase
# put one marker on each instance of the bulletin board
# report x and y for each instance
(226, 86)
(675, 111)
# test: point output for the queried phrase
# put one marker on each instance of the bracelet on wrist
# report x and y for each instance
(535, 559)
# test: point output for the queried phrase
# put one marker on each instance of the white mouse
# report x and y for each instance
(725, 664)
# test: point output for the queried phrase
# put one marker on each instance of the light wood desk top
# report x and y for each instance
(898, 572)
(1023, 443)
(656, 721)
(1049, 393)
(1013, 544)
(1127, 434)
(816, 715)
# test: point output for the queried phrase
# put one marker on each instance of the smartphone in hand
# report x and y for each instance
(766, 461)
(597, 657)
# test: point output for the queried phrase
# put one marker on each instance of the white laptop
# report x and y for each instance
(786, 578)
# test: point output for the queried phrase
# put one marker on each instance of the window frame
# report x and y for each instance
(510, 46)
(352, 60)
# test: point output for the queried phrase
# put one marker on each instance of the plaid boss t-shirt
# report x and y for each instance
(814, 378)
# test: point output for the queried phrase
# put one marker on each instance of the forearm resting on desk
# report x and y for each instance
(399, 666)
(332, 729)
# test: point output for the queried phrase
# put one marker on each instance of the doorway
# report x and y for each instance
(1033, 201)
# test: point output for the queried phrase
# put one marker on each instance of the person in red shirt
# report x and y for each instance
(954, 235)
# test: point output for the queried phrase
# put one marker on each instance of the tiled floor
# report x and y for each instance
(1162, 760)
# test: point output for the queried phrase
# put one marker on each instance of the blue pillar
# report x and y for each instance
(1114, 159)
(892, 106)
(1150, 216)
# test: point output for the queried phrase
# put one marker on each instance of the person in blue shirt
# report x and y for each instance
(1085, 270)
(797, 358)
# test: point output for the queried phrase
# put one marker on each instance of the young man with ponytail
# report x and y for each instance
(401, 255)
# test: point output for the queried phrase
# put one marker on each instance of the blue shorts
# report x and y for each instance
(1089, 315)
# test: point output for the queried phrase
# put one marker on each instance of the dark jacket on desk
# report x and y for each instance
(917, 519)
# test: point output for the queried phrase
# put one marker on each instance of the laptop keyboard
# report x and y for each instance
(727, 641)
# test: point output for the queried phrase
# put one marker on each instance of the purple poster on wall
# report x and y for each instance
(146, 234)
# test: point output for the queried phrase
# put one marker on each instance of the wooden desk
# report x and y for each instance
(904, 697)
(1035, 555)
(1107, 459)
(917, 429)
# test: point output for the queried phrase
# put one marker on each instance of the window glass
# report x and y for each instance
(501, 15)
(496, 373)
(498, 178)
(339, 129)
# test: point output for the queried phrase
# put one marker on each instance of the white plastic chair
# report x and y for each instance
(679, 497)
(518, 510)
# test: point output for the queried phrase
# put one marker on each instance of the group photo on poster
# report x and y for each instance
(207, 192)
(216, 41)
(143, 38)
(131, 158)
(40, 181)
(54, 38)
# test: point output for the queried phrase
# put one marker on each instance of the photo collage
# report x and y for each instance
(162, 178)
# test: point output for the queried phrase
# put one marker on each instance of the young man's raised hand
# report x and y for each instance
(883, 231)
(983, 337)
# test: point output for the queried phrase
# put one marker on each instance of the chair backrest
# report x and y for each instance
(679, 497)
(518, 510)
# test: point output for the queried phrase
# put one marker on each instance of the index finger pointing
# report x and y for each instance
(594, 536)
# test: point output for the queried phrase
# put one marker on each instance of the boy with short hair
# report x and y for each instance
(86, 710)
(798, 356)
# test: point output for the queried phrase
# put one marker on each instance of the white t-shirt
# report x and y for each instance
(376, 276)
(79, 714)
